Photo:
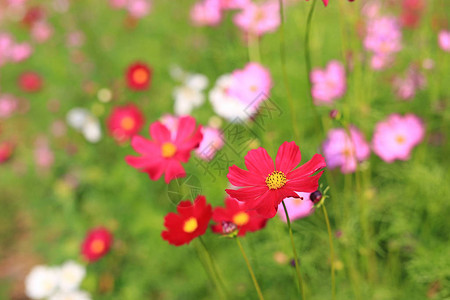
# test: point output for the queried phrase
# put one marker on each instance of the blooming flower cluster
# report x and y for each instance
(11, 51)
(56, 283)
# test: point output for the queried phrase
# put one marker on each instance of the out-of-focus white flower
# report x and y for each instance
(190, 94)
(225, 105)
(70, 276)
(73, 295)
(41, 282)
(85, 122)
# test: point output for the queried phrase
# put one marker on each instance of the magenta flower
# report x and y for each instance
(444, 40)
(343, 151)
(395, 137)
(206, 13)
(297, 208)
(258, 19)
(329, 84)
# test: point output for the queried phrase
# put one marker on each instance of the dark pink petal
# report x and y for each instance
(141, 162)
(288, 157)
(192, 142)
(247, 194)
(186, 127)
(239, 177)
(305, 184)
(155, 171)
(316, 163)
(174, 169)
(159, 132)
(183, 155)
(144, 146)
(267, 208)
(258, 161)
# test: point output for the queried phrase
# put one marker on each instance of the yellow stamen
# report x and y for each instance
(127, 123)
(168, 150)
(140, 76)
(190, 225)
(240, 219)
(276, 180)
(98, 246)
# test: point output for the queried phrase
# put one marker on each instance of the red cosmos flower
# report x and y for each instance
(96, 244)
(30, 81)
(236, 214)
(138, 76)
(6, 151)
(164, 153)
(265, 185)
(191, 221)
(124, 122)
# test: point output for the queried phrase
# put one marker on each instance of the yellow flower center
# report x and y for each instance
(168, 150)
(276, 180)
(190, 225)
(140, 76)
(127, 123)
(97, 246)
(400, 139)
(241, 218)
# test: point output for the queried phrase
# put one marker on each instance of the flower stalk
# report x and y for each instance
(250, 269)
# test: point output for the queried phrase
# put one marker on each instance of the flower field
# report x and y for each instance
(224, 149)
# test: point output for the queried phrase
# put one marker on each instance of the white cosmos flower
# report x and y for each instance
(41, 282)
(190, 94)
(70, 276)
(227, 106)
(73, 295)
(85, 122)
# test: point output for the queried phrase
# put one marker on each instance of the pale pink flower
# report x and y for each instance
(43, 155)
(251, 85)
(344, 152)
(328, 84)
(297, 208)
(206, 13)
(233, 4)
(406, 87)
(8, 105)
(138, 8)
(258, 19)
(444, 40)
(395, 137)
(41, 31)
(20, 52)
(212, 142)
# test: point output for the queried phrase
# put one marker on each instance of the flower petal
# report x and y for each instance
(174, 169)
(144, 146)
(159, 132)
(258, 161)
(247, 194)
(305, 184)
(239, 177)
(288, 157)
(316, 163)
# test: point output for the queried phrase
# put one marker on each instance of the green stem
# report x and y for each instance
(285, 76)
(330, 238)
(213, 271)
(253, 47)
(297, 266)
(255, 282)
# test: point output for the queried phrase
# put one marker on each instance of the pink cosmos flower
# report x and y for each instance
(43, 155)
(206, 13)
(405, 87)
(20, 52)
(138, 8)
(41, 31)
(251, 85)
(395, 137)
(383, 39)
(342, 151)
(11, 51)
(444, 40)
(258, 19)
(328, 84)
(212, 141)
(297, 208)
(164, 153)
(233, 4)
(8, 105)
